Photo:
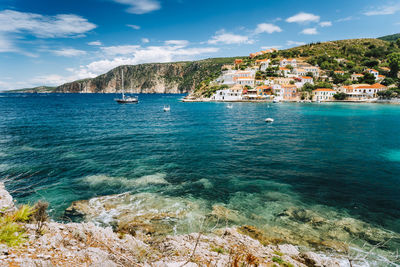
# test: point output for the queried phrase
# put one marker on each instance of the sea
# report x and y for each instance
(321, 175)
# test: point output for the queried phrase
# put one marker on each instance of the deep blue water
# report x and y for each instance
(337, 157)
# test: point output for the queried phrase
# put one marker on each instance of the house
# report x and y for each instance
(245, 81)
(277, 91)
(323, 94)
(385, 69)
(315, 71)
(238, 62)
(283, 80)
(263, 64)
(289, 92)
(339, 72)
(291, 61)
(369, 91)
(284, 71)
(306, 79)
(380, 78)
(230, 94)
(264, 91)
(356, 76)
(300, 72)
(373, 72)
(250, 94)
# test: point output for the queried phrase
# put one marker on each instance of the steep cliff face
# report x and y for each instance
(175, 78)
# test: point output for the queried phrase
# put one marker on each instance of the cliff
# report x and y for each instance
(174, 78)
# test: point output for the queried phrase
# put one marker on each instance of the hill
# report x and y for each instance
(390, 38)
(353, 55)
(175, 77)
(38, 89)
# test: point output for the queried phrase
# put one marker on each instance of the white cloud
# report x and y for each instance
(229, 38)
(63, 25)
(310, 31)
(291, 43)
(383, 10)
(267, 28)
(145, 40)
(69, 52)
(345, 19)
(140, 6)
(6, 44)
(135, 27)
(95, 43)
(325, 24)
(272, 46)
(177, 42)
(303, 18)
(120, 50)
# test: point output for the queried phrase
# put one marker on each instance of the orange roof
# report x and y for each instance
(385, 68)
(323, 90)
(281, 68)
(262, 60)
(381, 76)
(357, 74)
(264, 87)
(372, 70)
(306, 77)
(339, 71)
(245, 78)
(374, 86)
(289, 86)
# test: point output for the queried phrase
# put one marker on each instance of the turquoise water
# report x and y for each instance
(337, 160)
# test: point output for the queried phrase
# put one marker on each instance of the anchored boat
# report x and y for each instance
(126, 99)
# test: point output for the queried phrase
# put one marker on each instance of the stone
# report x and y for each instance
(6, 200)
(312, 259)
(289, 250)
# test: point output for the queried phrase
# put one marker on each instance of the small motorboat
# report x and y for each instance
(230, 106)
(276, 101)
(269, 120)
(167, 108)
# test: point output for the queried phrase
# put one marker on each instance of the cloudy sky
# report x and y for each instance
(49, 42)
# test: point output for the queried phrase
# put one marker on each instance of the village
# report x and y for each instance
(291, 80)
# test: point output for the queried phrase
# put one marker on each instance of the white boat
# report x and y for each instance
(126, 99)
(230, 106)
(269, 120)
(167, 108)
(276, 101)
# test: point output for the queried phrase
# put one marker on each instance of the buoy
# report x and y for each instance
(269, 120)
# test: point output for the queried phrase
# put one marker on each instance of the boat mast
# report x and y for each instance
(123, 94)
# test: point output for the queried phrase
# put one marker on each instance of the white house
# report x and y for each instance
(306, 79)
(230, 94)
(373, 72)
(245, 81)
(291, 61)
(323, 94)
(263, 64)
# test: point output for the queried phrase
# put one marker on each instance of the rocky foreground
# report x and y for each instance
(85, 244)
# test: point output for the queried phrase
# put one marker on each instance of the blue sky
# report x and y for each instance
(45, 42)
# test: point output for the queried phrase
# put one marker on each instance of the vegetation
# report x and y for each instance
(391, 93)
(340, 96)
(12, 232)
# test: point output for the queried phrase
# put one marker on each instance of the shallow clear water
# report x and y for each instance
(339, 160)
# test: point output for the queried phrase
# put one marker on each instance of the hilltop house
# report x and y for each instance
(291, 61)
(323, 94)
(339, 72)
(373, 72)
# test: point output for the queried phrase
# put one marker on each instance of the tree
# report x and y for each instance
(368, 78)
(388, 81)
(394, 64)
(307, 87)
(340, 96)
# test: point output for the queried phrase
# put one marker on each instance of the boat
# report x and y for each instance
(167, 108)
(269, 120)
(276, 100)
(230, 106)
(126, 99)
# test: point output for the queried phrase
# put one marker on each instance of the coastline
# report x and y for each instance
(83, 244)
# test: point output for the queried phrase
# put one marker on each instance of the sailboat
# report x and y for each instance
(125, 99)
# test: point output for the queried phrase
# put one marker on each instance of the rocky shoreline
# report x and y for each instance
(139, 244)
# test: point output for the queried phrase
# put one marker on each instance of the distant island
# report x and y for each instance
(345, 70)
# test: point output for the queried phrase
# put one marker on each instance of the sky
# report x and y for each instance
(50, 42)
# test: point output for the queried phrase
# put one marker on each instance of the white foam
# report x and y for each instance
(104, 180)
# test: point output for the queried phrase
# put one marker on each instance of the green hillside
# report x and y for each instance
(390, 38)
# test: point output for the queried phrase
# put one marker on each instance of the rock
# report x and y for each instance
(6, 200)
(289, 250)
(312, 259)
